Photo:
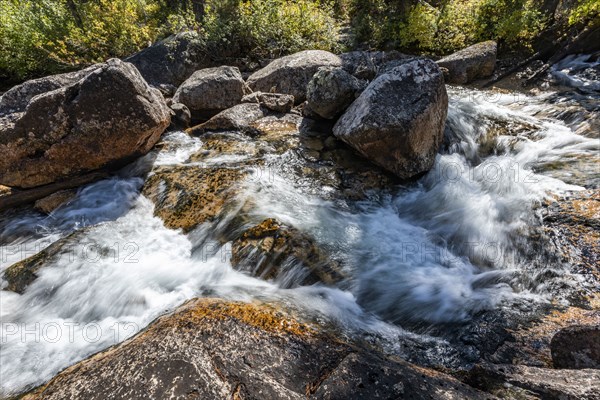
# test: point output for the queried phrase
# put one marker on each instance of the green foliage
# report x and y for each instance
(586, 12)
(271, 28)
(45, 36)
(447, 25)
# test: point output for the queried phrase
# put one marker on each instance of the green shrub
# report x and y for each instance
(271, 28)
(586, 12)
(45, 36)
(447, 25)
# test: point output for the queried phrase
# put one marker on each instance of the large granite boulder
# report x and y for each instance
(398, 120)
(331, 91)
(291, 74)
(278, 102)
(473, 62)
(213, 349)
(576, 347)
(211, 90)
(16, 99)
(172, 60)
(105, 119)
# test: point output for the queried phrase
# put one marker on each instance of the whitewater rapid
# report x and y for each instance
(437, 251)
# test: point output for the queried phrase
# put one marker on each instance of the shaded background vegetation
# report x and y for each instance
(46, 36)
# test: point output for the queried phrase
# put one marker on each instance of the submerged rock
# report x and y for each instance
(271, 250)
(291, 74)
(331, 91)
(105, 119)
(576, 347)
(213, 349)
(20, 275)
(398, 121)
(473, 62)
(211, 90)
(55, 200)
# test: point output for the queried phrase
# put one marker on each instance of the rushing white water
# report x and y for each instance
(437, 251)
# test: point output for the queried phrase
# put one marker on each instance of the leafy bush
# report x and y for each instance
(271, 28)
(45, 36)
(448, 25)
(585, 12)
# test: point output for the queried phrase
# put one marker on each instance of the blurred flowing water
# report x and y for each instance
(438, 251)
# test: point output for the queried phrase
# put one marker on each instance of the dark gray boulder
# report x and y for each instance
(181, 117)
(331, 91)
(473, 62)
(105, 119)
(211, 90)
(291, 74)
(172, 60)
(398, 120)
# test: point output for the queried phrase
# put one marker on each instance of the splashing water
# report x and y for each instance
(440, 250)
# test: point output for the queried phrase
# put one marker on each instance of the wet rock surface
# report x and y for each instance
(216, 349)
(274, 251)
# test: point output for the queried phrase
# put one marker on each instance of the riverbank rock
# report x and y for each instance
(473, 62)
(278, 102)
(211, 90)
(237, 118)
(181, 117)
(16, 99)
(519, 381)
(576, 347)
(105, 119)
(291, 74)
(213, 349)
(272, 250)
(331, 91)
(398, 121)
(172, 60)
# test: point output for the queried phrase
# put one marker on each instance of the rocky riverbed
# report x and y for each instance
(327, 227)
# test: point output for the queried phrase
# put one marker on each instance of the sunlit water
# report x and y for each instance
(437, 251)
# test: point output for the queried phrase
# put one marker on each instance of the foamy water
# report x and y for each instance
(433, 252)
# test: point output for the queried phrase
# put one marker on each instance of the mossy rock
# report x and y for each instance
(188, 195)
